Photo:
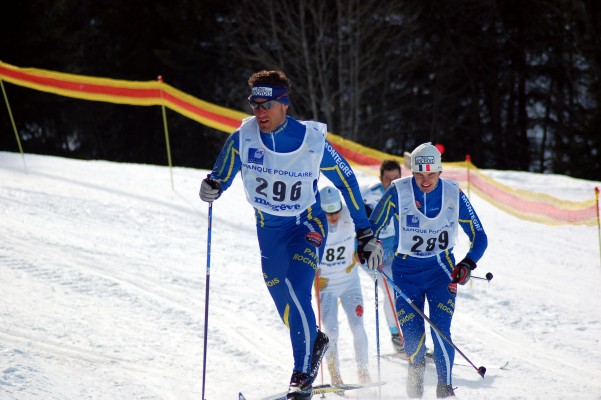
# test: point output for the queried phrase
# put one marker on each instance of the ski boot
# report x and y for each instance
(415, 380)
(319, 349)
(443, 391)
(301, 387)
(397, 344)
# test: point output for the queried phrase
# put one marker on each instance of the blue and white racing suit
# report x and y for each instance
(426, 229)
(280, 170)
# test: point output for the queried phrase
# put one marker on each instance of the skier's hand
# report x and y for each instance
(210, 189)
(369, 249)
(463, 271)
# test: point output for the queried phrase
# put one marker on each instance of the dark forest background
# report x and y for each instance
(516, 84)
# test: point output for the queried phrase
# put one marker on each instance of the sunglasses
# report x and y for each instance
(266, 105)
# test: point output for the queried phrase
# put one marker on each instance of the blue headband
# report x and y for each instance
(268, 92)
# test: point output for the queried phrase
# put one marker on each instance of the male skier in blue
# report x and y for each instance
(426, 211)
(280, 160)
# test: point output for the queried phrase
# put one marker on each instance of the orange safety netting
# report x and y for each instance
(149, 93)
(534, 207)
(531, 206)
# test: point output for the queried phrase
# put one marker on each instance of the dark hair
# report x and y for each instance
(273, 78)
(389, 165)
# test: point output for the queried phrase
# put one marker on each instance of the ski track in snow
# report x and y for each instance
(103, 272)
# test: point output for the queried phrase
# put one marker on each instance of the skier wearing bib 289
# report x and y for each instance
(280, 160)
(427, 211)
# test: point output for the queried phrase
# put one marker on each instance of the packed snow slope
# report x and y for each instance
(102, 293)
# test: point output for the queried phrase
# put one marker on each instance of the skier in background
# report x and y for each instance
(389, 171)
(339, 280)
(280, 160)
(426, 212)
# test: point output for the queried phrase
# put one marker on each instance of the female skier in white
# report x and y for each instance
(339, 279)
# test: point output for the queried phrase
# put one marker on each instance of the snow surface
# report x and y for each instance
(102, 286)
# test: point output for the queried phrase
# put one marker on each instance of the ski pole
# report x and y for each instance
(318, 295)
(393, 308)
(377, 333)
(481, 370)
(487, 278)
(208, 278)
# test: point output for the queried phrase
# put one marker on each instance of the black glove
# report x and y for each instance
(369, 249)
(462, 271)
(210, 189)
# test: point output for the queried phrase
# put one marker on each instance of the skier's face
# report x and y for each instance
(388, 176)
(333, 217)
(426, 181)
(269, 119)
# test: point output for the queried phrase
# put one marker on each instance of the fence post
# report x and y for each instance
(12, 121)
(160, 79)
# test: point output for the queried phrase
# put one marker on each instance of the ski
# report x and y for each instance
(403, 357)
(320, 389)
(430, 360)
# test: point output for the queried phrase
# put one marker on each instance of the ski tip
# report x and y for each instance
(241, 396)
(482, 371)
